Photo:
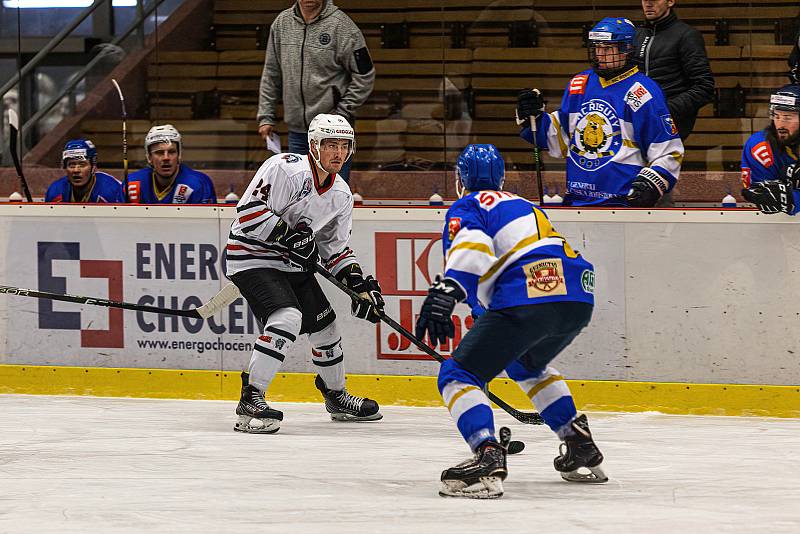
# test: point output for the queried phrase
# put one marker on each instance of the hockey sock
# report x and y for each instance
(549, 393)
(463, 395)
(270, 348)
(328, 356)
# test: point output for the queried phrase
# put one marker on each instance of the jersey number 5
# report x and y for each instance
(487, 198)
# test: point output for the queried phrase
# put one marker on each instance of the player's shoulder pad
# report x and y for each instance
(201, 176)
(141, 174)
(577, 85)
(104, 176)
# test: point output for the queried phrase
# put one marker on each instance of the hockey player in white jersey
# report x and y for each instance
(502, 253)
(613, 127)
(295, 211)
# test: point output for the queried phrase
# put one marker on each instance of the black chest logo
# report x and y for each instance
(325, 39)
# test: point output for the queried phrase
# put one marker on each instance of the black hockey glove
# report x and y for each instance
(773, 196)
(646, 189)
(792, 175)
(300, 242)
(529, 104)
(370, 305)
(435, 316)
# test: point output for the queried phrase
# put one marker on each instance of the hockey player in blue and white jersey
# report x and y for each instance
(298, 209)
(167, 180)
(770, 167)
(83, 182)
(503, 254)
(614, 127)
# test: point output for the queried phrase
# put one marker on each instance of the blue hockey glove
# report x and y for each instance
(772, 196)
(647, 188)
(435, 316)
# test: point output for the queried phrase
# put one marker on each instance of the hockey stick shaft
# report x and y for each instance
(124, 132)
(221, 299)
(13, 136)
(537, 161)
(522, 417)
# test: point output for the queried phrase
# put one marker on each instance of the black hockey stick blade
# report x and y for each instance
(531, 418)
(22, 292)
(13, 135)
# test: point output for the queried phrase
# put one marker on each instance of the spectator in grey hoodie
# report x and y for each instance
(317, 61)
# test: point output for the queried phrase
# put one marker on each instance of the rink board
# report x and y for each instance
(683, 296)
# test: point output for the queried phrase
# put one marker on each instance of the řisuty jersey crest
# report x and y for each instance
(504, 252)
(608, 130)
(288, 187)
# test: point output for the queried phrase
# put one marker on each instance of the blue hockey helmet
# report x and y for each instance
(611, 31)
(81, 149)
(787, 98)
(480, 168)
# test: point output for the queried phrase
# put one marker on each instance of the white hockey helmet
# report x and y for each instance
(166, 133)
(325, 126)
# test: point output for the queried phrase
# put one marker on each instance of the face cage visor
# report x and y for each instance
(615, 59)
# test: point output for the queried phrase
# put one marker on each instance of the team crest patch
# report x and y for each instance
(291, 158)
(745, 177)
(545, 278)
(763, 154)
(637, 96)
(587, 281)
(669, 125)
(597, 136)
(453, 227)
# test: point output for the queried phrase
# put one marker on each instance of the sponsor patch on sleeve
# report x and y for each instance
(363, 60)
(577, 85)
(637, 96)
(763, 154)
(453, 227)
(745, 177)
(133, 191)
(669, 124)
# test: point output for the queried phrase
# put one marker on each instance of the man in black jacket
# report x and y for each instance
(673, 54)
(794, 61)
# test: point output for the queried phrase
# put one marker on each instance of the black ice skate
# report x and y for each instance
(255, 415)
(346, 407)
(480, 477)
(579, 451)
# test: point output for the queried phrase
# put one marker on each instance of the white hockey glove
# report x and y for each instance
(370, 305)
(647, 188)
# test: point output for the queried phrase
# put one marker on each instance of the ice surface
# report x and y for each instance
(82, 464)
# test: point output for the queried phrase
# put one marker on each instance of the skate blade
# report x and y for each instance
(264, 426)
(347, 418)
(485, 488)
(596, 475)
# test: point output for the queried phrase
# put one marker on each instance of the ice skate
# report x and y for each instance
(346, 407)
(480, 477)
(255, 415)
(579, 451)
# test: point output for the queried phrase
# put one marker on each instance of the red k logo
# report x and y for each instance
(405, 265)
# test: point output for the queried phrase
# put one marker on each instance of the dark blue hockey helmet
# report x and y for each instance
(611, 60)
(80, 149)
(787, 98)
(480, 168)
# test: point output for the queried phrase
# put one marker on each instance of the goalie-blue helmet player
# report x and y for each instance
(502, 253)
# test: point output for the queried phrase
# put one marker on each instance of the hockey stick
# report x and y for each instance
(228, 294)
(13, 135)
(124, 133)
(530, 418)
(537, 160)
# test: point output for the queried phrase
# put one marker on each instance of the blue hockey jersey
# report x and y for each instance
(504, 252)
(608, 130)
(761, 162)
(189, 187)
(106, 189)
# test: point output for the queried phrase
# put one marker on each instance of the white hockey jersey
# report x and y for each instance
(289, 187)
